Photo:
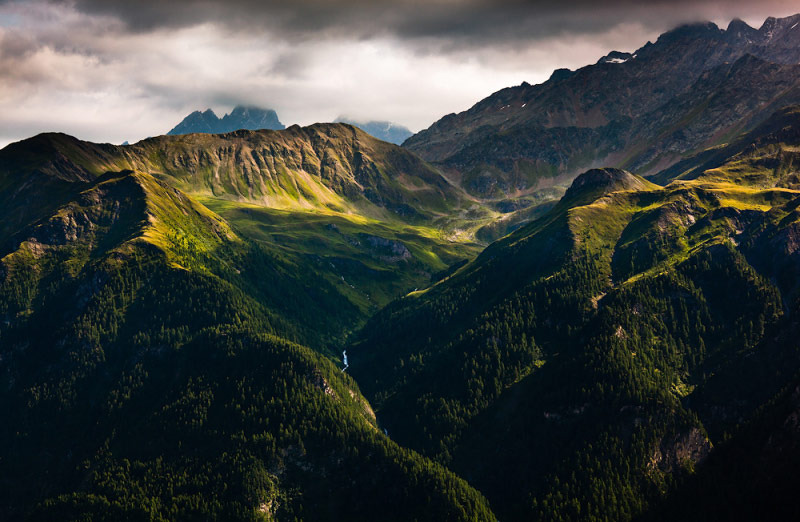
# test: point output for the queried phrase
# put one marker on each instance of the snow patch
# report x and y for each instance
(795, 25)
(616, 60)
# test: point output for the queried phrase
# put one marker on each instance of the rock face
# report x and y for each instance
(242, 117)
(641, 111)
(683, 450)
(386, 249)
(383, 130)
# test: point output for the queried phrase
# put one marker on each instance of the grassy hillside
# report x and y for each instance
(323, 168)
(348, 233)
(370, 262)
(764, 157)
(331, 167)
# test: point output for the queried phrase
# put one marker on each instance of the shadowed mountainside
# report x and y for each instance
(693, 88)
(588, 362)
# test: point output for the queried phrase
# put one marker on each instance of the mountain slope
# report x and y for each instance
(46, 257)
(333, 166)
(39, 174)
(143, 376)
(329, 167)
(241, 117)
(766, 156)
(583, 365)
(640, 111)
(302, 194)
(750, 475)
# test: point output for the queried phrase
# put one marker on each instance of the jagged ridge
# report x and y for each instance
(687, 91)
(241, 117)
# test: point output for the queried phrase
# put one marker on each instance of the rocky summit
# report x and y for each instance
(241, 117)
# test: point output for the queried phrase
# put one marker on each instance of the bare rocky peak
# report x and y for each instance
(241, 117)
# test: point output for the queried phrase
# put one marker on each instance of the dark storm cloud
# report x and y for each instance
(465, 21)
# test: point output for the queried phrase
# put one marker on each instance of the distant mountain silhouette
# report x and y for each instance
(242, 117)
(383, 130)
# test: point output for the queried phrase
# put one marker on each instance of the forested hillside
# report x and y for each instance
(582, 366)
(145, 375)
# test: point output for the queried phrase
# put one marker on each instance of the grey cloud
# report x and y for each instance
(468, 21)
(17, 46)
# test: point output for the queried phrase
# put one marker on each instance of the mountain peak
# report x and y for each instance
(247, 117)
(245, 109)
(737, 24)
(740, 30)
(561, 74)
(770, 24)
(615, 57)
(773, 26)
(603, 181)
(693, 30)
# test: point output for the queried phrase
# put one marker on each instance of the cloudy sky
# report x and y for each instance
(114, 70)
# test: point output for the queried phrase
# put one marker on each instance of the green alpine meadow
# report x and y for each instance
(577, 300)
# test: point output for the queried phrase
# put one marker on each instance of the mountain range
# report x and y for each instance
(575, 301)
(241, 117)
(694, 88)
(255, 118)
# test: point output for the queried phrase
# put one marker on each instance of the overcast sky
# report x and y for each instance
(114, 70)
